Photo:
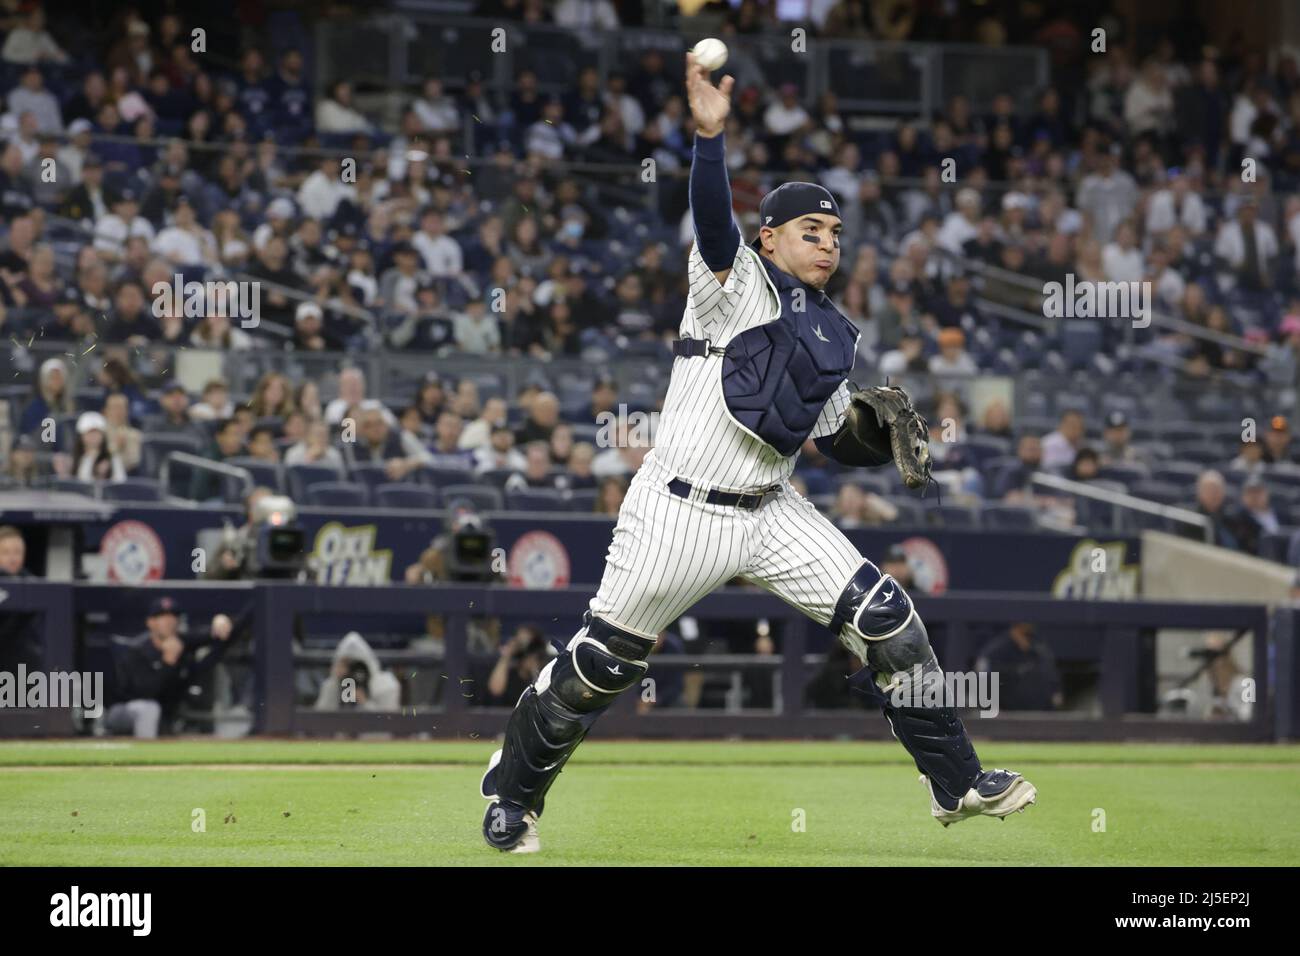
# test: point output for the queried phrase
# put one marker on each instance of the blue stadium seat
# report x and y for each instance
(154, 449)
(1161, 491)
(483, 497)
(954, 516)
(496, 477)
(1124, 473)
(1009, 518)
(265, 474)
(74, 486)
(911, 511)
(440, 477)
(406, 496)
(132, 489)
(337, 494)
(302, 477)
(369, 473)
(583, 500)
(536, 499)
(1177, 472)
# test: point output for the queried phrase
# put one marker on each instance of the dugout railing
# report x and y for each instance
(1124, 632)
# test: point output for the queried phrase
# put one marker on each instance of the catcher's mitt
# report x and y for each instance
(885, 413)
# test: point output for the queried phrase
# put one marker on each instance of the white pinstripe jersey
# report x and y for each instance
(696, 436)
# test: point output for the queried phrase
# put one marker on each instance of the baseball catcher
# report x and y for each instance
(761, 367)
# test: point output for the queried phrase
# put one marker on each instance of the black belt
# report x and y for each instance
(750, 501)
(694, 348)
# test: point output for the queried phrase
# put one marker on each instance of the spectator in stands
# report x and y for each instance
(215, 403)
(123, 440)
(121, 223)
(953, 359)
(1109, 195)
(610, 494)
(1256, 517)
(53, 396)
(215, 331)
(829, 688)
(352, 391)
(579, 474)
(174, 417)
(337, 114)
(1211, 500)
(1117, 446)
(1277, 440)
(435, 111)
(895, 563)
(91, 458)
(1014, 483)
(500, 452)
(478, 433)
(31, 96)
(132, 321)
(537, 473)
(543, 416)
(306, 399)
(1250, 458)
(1060, 447)
(272, 396)
(446, 451)
(1086, 465)
(24, 469)
(1246, 249)
(1026, 670)
(856, 508)
(908, 357)
(31, 42)
(314, 448)
(227, 443)
(158, 667)
(666, 688)
(401, 452)
(261, 444)
(521, 659)
(13, 553)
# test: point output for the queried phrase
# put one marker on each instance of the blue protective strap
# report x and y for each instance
(710, 194)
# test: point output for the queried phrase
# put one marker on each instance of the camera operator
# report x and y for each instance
(371, 687)
(463, 552)
(269, 544)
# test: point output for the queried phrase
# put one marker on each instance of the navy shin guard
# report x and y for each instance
(556, 712)
(882, 616)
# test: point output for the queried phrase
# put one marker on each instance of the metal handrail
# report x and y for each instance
(1123, 499)
(205, 464)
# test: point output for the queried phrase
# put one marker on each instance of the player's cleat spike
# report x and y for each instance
(996, 793)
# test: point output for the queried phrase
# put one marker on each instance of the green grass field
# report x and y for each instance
(271, 803)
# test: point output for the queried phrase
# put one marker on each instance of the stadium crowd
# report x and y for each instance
(465, 232)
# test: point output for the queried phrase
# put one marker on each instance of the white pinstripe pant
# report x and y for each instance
(669, 552)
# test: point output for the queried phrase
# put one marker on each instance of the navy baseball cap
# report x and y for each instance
(163, 605)
(792, 200)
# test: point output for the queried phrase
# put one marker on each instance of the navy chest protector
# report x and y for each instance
(776, 377)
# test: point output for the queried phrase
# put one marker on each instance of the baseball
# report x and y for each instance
(710, 53)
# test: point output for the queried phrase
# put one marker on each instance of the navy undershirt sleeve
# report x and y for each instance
(710, 193)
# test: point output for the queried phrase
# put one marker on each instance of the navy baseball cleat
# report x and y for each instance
(507, 826)
(995, 793)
